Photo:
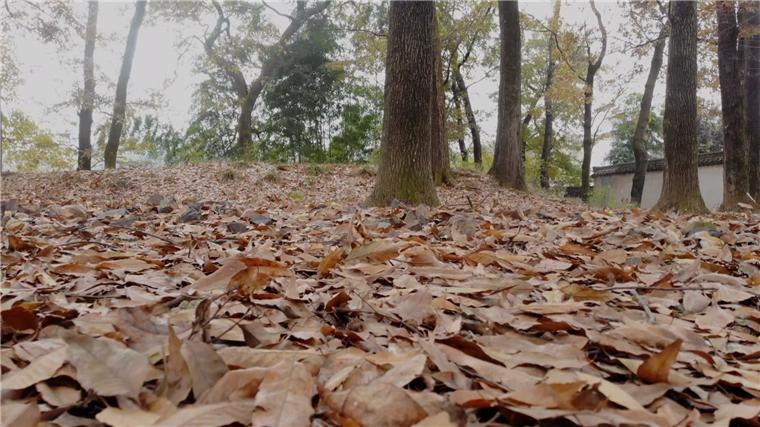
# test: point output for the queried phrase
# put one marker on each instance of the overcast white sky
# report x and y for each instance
(51, 75)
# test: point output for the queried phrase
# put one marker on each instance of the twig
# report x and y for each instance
(87, 242)
(649, 288)
(143, 232)
(235, 323)
(643, 303)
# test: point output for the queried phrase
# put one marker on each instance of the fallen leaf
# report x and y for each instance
(38, 370)
(376, 404)
(129, 417)
(330, 261)
(106, 366)
(205, 365)
(656, 368)
(284, 396)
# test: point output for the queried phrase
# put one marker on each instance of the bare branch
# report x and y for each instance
(284, 15)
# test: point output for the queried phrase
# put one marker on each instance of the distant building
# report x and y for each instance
(616, 180)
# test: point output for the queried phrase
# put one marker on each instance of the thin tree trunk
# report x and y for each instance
(750, 25)
(460, 123)
(84, 153)
(120, 101)
(441, 164)
(507, 165)
(735, 184)
(642, 124)
(551, 65)
(548, 141)
(680, 188)
(588, 100)
(405, 171)
(477, 151)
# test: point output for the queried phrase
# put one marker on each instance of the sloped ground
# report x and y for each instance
(214, 294)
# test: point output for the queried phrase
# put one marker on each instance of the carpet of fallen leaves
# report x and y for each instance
(216, 294)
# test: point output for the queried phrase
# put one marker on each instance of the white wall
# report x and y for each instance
(619, 186)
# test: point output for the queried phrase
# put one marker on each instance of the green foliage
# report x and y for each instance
(28, 148)
(623, 128)
(602, 197)
(145, 140)
(301, 101)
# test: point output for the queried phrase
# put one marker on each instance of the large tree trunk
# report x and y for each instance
(405, 171)
(750, 25)
(642, 124)
(441, 163)
(548, 141)
(588, 100)
(120, 101)
(477, 151)
(735, 184)
(507, 165)
(84, 153)
(680, 188)
(244, 126)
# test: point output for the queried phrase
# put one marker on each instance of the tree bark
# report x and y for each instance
(477, 151)
(588, 100)
(680, 189)
(460, 123)
(441, 162)
(751, 27)
(84, 153)
(735, 184)
(508, 168)
(548, 141)
(120, 101)
(405, 171)
(642, 124)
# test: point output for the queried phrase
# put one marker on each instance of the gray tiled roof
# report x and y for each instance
(705, 159)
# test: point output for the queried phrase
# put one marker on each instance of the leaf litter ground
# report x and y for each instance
(215, 294)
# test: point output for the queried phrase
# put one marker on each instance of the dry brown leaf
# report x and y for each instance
(240, 384)
(284, 396)
(331, 260)
(106, 366)
(131, 265)
(656, 368)
(214, 415)
(20, 319)
(405, 371)
(441, 419)
(129, 417)
(714, 319)
(177, 381)
(59, 395)
(38, 370)
(205, 365)
(249, 280)
(17, 414)
(376, 404)
(376, 251)
(220, 278)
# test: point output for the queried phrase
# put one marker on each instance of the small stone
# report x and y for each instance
(190, 215)
(10, 205)
(260, 220)
(236, 227)
(112, 213)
